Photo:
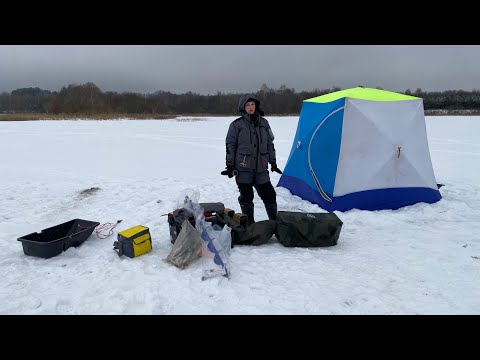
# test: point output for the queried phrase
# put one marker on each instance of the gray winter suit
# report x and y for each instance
(250, 145)
(249, 149)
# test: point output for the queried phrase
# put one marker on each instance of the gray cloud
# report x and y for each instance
(206, 69)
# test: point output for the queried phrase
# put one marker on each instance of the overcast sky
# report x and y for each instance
(207, 69)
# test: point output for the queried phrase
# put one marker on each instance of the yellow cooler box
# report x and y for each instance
(133, 242)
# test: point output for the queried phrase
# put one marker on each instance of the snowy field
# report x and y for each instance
(421, 259)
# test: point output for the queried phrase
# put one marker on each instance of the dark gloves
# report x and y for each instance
(273, 167)
(230, 171)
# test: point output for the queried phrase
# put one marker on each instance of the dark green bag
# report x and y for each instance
(255, 234)
(258, 233)
(307, 229)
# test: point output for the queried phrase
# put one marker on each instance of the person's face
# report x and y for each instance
(250, 107)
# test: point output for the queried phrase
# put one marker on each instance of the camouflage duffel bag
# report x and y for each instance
(307, 229)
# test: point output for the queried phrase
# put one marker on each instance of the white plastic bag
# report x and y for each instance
(217, 244)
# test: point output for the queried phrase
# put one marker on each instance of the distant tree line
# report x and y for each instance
(89, 99)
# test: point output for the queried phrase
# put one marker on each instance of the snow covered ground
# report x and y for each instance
(421, 259)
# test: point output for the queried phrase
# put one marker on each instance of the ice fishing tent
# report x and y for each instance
(361, 148)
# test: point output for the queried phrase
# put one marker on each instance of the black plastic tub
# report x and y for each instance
(52, 241)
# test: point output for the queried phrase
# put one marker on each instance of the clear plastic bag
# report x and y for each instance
(217, 244)
(187, 246)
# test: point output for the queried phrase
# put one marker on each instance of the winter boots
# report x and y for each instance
(247, 209)
(271, 211)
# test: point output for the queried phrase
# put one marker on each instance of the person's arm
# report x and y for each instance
(270, 146)
(271, 151)
(231, 149)
(231, 145)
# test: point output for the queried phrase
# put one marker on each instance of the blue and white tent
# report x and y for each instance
(361, 148)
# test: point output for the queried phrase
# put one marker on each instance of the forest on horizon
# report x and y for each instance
(89, 99)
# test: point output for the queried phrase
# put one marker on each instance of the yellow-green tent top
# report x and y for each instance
(362, 93)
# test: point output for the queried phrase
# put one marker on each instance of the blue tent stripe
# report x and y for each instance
(325, 149)
(380, 199)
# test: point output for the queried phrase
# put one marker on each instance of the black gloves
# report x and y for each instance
(273, 167)
(230, 171)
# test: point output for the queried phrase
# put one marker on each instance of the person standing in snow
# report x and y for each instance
(249, 150)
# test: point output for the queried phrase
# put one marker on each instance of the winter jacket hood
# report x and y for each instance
(244, 99)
